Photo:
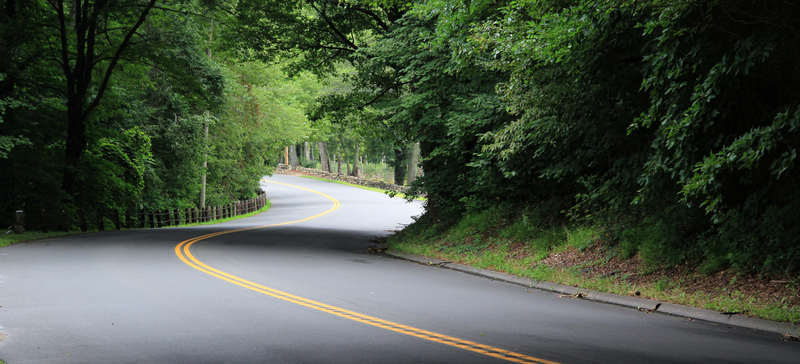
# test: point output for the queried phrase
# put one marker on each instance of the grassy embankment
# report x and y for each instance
(400, 195)
(8, 239)
(576, 255)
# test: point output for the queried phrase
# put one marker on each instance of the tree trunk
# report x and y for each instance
(78, 72)
(412, 164)
(356, 171)
(205, 165)
(293, 156)
(324, 159)
(307, 150)
(400, 165)
(339, 164)
(75, 144)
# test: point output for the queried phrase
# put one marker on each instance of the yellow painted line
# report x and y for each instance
(183, 250)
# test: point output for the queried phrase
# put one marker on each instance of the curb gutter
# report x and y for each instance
(633, 302)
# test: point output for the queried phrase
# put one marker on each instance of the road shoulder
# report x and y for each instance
(625, 301)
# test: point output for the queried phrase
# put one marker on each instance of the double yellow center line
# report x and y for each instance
(183, 250)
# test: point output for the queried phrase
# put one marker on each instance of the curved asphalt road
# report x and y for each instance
(312, 295)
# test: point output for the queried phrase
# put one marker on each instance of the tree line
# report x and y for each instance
(131, 105)
(670, 125)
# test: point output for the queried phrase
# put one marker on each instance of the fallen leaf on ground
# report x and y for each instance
(790, 337)
(375, 249)
(650, 310)
(731, 313)
(579, 295)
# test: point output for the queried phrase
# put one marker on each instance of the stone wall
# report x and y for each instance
(282, 168)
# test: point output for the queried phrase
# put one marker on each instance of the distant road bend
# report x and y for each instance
(294, 285)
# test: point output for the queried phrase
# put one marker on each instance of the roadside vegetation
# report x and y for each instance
(585, 256)
(387, 192)
(667, 129)
(10, 238)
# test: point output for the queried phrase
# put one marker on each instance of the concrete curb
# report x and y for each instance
(633, 302)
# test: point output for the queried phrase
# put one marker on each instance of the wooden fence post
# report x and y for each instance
(82, 220)
(100, 221)
(19, 224)
(142, 219)
(177, 215)
(152, 220)
(117, 223)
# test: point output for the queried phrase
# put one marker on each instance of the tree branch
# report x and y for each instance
(334, 29)
(117, 57)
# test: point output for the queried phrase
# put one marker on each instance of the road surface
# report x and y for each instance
(295, 285)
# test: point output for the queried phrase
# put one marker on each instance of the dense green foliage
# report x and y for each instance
(104, 104)
(671, 124)
(675, 121)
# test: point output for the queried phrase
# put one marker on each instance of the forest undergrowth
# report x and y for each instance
(588, 257)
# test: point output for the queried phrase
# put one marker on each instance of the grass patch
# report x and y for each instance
(401, 195)
(485, 241)
(265, 208)
(8, 239)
